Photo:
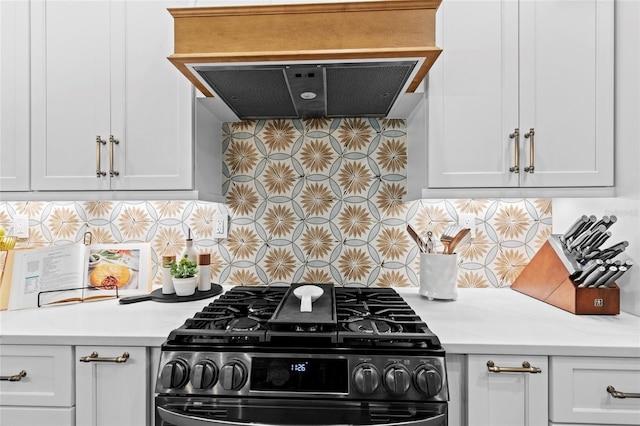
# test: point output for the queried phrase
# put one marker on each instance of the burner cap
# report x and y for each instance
(369, 325)
(243, 324)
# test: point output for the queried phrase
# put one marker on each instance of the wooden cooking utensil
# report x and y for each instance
(448, 235)
(460, 239)
(419, 241)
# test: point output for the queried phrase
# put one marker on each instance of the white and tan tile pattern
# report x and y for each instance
(310, 201)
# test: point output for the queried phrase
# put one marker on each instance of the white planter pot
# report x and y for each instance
(185, 286)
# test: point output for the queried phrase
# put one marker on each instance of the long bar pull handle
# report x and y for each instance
(526, 368)
(622, 395)
(530, 136)
(14, 378)
(94, 357)
(99, 141)
(516, 149)
(112, 141)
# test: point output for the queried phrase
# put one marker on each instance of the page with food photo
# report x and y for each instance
(121, 266)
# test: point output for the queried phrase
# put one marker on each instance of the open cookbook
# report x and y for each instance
(73, 272)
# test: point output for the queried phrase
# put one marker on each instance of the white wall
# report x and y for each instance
(626, 204)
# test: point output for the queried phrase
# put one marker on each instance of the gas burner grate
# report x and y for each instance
(373, 317)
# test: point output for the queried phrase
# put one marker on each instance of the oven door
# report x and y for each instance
(195, 411)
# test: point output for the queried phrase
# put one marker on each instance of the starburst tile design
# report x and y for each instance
(312, 201)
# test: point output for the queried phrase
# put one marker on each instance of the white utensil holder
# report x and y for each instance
(438, 276)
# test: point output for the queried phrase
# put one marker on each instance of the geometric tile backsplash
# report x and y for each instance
(310, 201)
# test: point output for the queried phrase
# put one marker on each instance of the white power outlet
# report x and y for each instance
(220, 226)
(21, 226)
(468, 221)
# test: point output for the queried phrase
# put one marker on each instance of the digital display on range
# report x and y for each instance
(299, 375)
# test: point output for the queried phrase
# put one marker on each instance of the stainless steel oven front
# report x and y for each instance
(302, 389)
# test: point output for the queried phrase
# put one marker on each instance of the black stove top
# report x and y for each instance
(342, 318)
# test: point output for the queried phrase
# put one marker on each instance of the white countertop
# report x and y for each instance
(481, 321)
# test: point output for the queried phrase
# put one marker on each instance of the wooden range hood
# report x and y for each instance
(307, 60)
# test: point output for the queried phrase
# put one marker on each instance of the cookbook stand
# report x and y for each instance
(76, 299)
(548, 278)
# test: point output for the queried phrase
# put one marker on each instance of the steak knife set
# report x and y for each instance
(585, 240)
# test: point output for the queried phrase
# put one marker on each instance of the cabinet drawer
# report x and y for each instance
(49, 380)
(578, 390)
(20, 416)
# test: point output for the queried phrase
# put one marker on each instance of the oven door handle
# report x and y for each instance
(179, 419)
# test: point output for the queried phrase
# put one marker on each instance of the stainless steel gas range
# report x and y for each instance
(361, 356)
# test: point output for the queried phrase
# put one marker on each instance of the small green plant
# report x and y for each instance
(184, 269)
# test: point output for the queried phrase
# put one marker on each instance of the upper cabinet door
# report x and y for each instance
(109, 110)
(544, 65)
(70, 94)
(14, 96)
(566, 92)
(152, 104)
(473, 95)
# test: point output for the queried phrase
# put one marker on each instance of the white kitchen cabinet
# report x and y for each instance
(14, 96)
(578, 390)
(507, 398)
(100, 73)
(45, 391)
(110, 392)
(511, 66)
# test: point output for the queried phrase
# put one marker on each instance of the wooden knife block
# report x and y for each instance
(547, 278)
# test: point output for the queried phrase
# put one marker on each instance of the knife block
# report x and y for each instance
(548, 278)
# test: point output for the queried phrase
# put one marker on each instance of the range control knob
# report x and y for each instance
(204, 374)
(397, 379)
(428, 380)
(232, 376)
(175, 373)
(366, 379)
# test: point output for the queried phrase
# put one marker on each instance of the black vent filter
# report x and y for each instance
(366, 90)
(363, 89)
(252, 93)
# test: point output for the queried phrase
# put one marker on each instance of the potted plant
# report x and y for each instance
(184, 276)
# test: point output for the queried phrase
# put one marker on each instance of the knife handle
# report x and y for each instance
(572, 230)
(593, 277)
(606, 276)
(588, 270)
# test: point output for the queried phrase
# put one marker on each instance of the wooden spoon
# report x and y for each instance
(461, 238)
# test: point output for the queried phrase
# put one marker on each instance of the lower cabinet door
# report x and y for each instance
(510, 395)
(595, 390)
(112, 384)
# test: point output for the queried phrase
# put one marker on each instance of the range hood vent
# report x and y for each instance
(309, 91)
(356, 59)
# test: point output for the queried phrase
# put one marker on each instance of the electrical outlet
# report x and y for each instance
(220, 226)
(21, 226)
(468, 221)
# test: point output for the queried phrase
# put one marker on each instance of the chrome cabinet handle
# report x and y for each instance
(526, 368)
(94, 357)
(530, 136)
(112, 141)
(99, 141)
(14, 378)
(622, 395)
(516, 149)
